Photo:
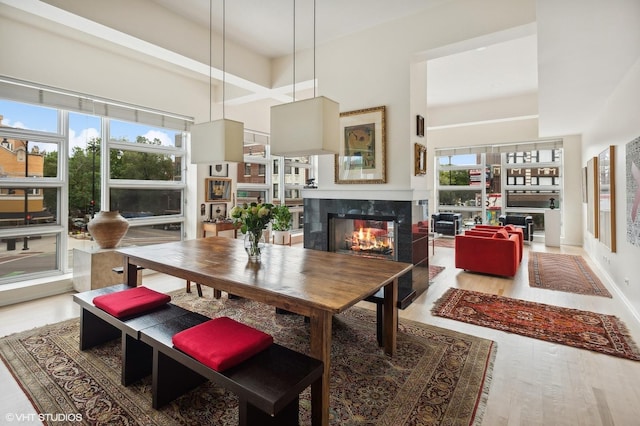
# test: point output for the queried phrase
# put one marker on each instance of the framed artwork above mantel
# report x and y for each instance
(362, 156)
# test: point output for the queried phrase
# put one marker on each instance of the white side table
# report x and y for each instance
(552, 228)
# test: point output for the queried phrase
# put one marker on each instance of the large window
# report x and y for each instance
(485, 182)
(54, 176)
(278, 180)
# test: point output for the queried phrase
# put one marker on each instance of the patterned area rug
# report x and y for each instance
(438, 377)
(571, 327)
(564, 272)
(434, 270)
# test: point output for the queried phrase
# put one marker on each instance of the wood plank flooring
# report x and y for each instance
(534, 382)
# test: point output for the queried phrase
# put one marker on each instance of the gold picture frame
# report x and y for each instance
(592, 196)
(607, 198)
(217, 189)
(420, 154)
(362, 157)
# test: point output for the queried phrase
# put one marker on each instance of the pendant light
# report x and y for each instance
(307, 127)
(220, 140)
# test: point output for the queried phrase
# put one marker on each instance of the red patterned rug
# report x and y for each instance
(572, 327)
(564, 272)
(434, 270)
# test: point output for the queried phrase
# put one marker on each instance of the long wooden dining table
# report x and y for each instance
(313, 283)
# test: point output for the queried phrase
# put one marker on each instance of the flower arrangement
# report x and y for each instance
(253, 218)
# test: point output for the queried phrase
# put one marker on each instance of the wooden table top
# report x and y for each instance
(286, 275)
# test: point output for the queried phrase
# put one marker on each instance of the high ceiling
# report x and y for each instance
(571, 62)
(266, 26)
(504, 69)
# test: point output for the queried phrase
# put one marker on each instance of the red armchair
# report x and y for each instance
(496, 254)
(491, 229)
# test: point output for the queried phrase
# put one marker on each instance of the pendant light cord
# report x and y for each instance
(294, 50)
(224, 53)
(210, 34)
(314, 48)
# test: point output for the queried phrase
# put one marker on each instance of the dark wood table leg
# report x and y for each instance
(320, 336)
(390, 317)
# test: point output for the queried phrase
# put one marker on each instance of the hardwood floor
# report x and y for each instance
(534, 382)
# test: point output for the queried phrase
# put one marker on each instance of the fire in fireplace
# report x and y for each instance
(370, 240)
(363, 236)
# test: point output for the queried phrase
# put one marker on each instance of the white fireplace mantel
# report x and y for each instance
(359, 194)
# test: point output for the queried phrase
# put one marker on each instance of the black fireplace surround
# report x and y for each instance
(317, 214)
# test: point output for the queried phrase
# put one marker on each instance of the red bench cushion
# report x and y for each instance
(222, 342)
(130, 302)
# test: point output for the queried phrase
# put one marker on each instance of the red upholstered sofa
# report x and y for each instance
(495, 254)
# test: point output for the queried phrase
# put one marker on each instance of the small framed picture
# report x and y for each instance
(420, 154)
(217, 211)
(221, 170)
(420, 126)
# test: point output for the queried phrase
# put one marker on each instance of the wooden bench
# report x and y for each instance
(268, 384)
(97, 327)
(216, 293)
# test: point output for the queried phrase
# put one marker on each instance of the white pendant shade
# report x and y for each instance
(217, 141)
(307, 127)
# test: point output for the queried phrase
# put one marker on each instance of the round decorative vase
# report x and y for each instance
(254, 245)
(107, 228)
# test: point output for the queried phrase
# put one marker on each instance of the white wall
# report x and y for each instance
(617, 125)
(373, 68)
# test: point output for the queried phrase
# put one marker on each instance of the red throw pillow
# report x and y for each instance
(502, 234)
(222, 342)
(130, 302)
(509, 228)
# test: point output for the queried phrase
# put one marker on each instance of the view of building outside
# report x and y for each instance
(485, 185)
(277, 180)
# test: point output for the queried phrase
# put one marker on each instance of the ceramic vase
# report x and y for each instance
(107, 228)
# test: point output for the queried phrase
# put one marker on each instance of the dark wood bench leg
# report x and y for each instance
(94, 331)
(249, 415)
(379, 322)
(137, 359)
(171, 379)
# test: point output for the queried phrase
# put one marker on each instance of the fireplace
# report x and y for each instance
(329, 225)
(363, 235)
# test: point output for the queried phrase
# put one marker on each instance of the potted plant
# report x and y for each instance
(281, 224)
